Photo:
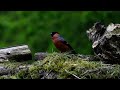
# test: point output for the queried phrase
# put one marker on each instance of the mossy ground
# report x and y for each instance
(64, 66)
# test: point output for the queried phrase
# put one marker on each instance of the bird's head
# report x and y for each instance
(53, 33)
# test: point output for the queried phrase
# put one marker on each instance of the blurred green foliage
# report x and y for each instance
(34, 28)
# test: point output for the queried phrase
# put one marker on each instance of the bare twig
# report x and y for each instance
(72, 74)
(46, 74)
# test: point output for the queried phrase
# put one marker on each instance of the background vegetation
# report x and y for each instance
(34, 28)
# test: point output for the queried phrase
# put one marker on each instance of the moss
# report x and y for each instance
(23, 74)
(8, 77)
(34, 72)
(63, 66)
(69, 66)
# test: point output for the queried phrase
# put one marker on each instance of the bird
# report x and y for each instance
(61, 44)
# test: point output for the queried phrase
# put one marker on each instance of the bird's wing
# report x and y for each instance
(64, 42)
(67, 44)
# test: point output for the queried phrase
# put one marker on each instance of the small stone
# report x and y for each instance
(40, 55)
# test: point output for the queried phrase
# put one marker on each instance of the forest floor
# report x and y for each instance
(59, 66)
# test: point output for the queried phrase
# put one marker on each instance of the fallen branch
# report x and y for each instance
(17, 53)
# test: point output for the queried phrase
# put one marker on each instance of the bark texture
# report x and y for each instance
(106, 41)
(17, 53)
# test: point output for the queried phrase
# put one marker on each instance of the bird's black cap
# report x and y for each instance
(52, 33)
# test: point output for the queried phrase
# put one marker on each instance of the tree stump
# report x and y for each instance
(17, 53)
(106, 41)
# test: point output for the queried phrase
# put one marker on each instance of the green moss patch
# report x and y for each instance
(63, 66)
